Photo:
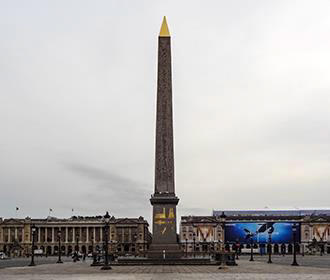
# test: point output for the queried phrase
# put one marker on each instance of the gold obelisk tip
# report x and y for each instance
(164, 29)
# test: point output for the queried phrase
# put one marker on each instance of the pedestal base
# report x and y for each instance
(165, 251)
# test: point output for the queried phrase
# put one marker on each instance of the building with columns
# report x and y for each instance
(200, 235)
(315, 233)
(126, 235)
(313, 224)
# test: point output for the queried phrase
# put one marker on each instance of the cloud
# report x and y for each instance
(123, 195)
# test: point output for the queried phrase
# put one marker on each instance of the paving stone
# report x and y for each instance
(245, 270)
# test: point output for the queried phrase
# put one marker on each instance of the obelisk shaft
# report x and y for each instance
(164, 165)
(164, 201)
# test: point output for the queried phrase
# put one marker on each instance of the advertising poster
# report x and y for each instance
(260, 232)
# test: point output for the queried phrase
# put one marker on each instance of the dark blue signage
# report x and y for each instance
(261, 232)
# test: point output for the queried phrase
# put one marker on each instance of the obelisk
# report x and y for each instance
(164, 201)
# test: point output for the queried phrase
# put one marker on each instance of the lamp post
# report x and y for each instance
(186, 247)
(251, 254)
(294, 230)
(92, 240)
(144, 245)
(212, 249)
(135, 245)
(76, 257)
(59, 246)
(321, 246)
(194, 241)
(93, 253)
(106, 219)
(33, 230)
(269, 247)
(204, 244)
(237, 245)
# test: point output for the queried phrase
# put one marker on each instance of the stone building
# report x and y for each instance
(315, 234)
(126, 235)
(314, 225)
(201, 235)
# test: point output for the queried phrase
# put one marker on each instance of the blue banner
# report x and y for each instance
(261, 232)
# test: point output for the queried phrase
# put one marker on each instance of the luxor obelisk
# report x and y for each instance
(164, 200)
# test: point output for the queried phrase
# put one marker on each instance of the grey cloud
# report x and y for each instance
(124, 196)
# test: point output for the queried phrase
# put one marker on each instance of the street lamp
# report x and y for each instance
(106, 220)
(251, 254)
(59, 247)
(194, 241)
(204, 244)
(269, 247)
(76, 257)
(93, 253)
(294, 230)
(33, 230)
(144, 244)
(135, 245)
(92, 240)
(237, 246)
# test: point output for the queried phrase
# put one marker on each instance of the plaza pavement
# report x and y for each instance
(256, 270)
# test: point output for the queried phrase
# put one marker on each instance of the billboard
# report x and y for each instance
(280, 232)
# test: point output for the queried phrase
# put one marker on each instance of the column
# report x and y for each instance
(16, 233)
(23, 234)
(101, 234)
(73, 234)
(9, 237)
(46, 235)
(1, 236)
(39, 234)
(53, 234)
(87, 234)
(94, 233)
(80, 234)
(66, 234)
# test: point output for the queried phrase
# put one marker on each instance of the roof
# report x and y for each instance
(275, 212)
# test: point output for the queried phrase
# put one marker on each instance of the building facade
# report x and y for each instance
(314, 225)
(315, 234)
(85, 234)
(201, 235)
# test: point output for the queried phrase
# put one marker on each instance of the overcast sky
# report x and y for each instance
(251, 93)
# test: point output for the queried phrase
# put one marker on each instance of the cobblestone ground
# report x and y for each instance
(245, 270)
